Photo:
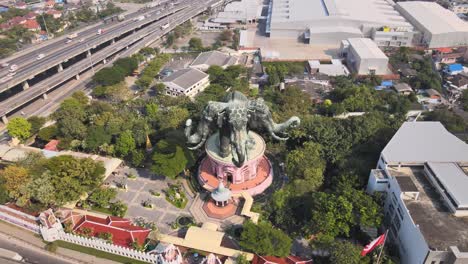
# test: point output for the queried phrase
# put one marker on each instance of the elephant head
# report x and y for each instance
(237, 120)
(261, 118)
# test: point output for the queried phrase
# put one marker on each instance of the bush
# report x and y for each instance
(118, 209)
(109, 76)
(51, 247)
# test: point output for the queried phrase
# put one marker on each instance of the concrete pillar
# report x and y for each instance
(77, 77)
(25, 85)
(44, 95)
(88, 53)
(5, 120)
(112, 41)
(126, 47)
(60, 67)
(104, 61)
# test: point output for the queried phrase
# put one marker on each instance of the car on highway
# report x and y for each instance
(68, 41)
(81, 40)
(13, 68)
(5, 64)
(11, 74)
(40, 56)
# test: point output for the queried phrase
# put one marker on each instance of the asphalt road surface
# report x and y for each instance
(30, 254)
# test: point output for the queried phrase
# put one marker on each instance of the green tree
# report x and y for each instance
(305, 166)
(264, 239)
(127, 64)
(19, 128)
(195, 44)
(81, 97)
(71, 177)
(7, 47)
(14, 178)
(48, 22)
(118, 209)
(330, 214)
(464, 99)
(102, 197)
(173, 118)
(36, 123)
(96, 137)
(343, 252)
(449, 119)
(170, 159)
(21, 34)
(109, 76)
(125, 143)
(48, 133)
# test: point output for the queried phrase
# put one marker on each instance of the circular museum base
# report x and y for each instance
(217, 212)
(254, 186)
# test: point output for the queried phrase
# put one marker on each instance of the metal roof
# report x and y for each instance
(453, 179)
(420, 142)
(214, 58)
(367, 11)
(185, 78)
(433, 17)
(366, 48)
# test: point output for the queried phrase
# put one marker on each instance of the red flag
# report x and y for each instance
(376, 242)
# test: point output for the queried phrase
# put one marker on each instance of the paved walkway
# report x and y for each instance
(33, 241)
(163, 213)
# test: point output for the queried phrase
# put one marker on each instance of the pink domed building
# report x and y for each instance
(254, 176)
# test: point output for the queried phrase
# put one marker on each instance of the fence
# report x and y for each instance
(110, 248)
(19, 222)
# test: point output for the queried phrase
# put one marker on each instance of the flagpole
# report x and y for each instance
(383, 245)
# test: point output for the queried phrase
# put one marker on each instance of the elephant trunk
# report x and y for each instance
(199, 137)
(239, 150)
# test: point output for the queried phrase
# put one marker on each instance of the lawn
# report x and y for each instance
(97, 253)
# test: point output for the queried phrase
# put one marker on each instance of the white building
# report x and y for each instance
(423, 175)
(188, 82)
(206, 59)
(363, 56)
(245, 11)
(438, 27)
(328, 22)
(334, 68)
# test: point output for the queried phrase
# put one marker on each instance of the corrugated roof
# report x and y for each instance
(420, 142)
(185, 78)
(214, 58)
(433, 17)
(453, 179)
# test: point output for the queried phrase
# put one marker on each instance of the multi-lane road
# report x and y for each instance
(127, 45)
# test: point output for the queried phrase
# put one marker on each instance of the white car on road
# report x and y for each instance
(40, 56)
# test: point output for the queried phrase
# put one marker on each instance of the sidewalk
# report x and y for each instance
(30, 239)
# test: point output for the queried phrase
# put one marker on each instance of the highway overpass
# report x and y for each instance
(67, 62)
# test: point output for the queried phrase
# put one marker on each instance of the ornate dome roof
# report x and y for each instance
(221, 194)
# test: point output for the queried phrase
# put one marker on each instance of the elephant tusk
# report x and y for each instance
(278, 137)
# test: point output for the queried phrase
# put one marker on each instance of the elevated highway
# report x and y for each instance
(122, 40)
